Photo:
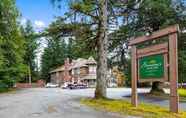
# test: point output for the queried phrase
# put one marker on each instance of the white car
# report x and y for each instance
(112, 85)
(51, 85)
(65, 86)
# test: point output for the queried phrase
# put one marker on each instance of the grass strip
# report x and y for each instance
(182, 92)
(125, 108)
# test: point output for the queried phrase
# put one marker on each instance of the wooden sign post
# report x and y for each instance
(156, 63)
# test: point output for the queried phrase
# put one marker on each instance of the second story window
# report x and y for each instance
(92, 69)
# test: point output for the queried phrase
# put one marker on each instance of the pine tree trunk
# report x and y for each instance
(101, 85)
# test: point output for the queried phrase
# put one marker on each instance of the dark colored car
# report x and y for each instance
(81, 86)
(77, 86)
(71, 86)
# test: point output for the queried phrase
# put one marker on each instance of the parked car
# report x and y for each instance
(65, 86)
(51, 85)
(71, 86)
(81, 86)
(74, 86)
(112, 85)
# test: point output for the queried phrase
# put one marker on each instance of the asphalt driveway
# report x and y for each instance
(58, 103)
(47, 103)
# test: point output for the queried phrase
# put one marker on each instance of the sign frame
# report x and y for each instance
(171, 60)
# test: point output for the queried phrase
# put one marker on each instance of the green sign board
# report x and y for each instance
(151, 67)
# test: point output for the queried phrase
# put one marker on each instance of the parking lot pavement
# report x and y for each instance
(48, 103)
(58, 103)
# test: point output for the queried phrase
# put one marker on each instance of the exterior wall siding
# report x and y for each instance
(83, 71)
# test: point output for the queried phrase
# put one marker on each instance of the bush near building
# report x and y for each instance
(6, 85)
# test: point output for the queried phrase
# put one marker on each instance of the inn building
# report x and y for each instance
(80, 70)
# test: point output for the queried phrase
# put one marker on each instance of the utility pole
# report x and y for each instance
(29, 75)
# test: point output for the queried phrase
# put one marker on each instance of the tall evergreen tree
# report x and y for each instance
(11, 43)
(95, 12)
(31, 45)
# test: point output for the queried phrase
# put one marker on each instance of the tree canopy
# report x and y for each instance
(11, 43)
(31, 45)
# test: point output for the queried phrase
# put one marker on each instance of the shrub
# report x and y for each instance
(9, 82)
(3, 87)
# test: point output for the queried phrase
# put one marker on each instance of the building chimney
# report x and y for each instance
(66, 71)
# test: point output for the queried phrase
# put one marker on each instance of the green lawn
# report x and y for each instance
(125, 108)
(182, 92)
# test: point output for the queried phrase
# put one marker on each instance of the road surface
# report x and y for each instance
(48, 103)
(58, 103)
